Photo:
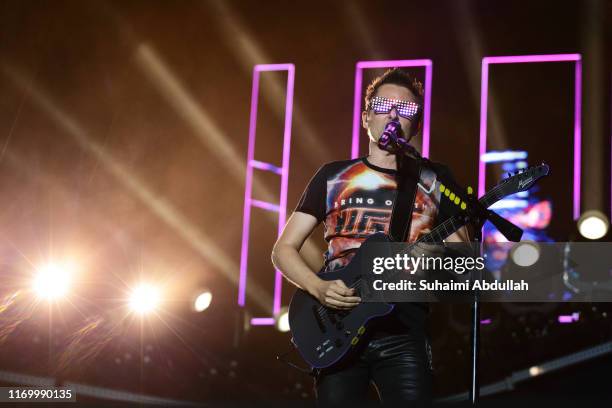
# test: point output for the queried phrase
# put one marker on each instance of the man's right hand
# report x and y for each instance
(336, 294)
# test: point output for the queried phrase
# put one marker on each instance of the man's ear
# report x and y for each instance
(364, 119)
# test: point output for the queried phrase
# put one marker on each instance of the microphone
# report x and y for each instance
(388, 138)
(392, 141)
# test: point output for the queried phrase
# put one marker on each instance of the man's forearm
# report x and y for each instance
(288, 260)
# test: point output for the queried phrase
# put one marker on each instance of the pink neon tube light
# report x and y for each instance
(361, 65)
(283, 171)
(484, 89)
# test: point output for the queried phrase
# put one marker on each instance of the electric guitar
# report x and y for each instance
(324, 335)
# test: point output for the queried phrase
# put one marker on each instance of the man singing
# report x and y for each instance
(355, 198)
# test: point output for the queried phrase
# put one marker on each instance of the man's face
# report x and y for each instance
(375, 123)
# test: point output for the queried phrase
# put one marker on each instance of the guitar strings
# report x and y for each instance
(492, 193)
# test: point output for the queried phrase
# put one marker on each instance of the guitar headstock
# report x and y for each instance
(522, 180)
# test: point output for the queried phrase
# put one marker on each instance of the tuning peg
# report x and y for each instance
(470, 190)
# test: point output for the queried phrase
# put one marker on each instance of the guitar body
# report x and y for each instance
(324, 335)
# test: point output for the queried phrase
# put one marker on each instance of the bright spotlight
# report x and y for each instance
(525, 253)
(144, 298)
(202, 301)
(535, 370)
(282, 320)
(53, 280)
(593, 224)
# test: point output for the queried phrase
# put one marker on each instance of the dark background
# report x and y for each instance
(123, 136)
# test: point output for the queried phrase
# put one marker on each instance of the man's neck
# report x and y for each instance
(381, 158)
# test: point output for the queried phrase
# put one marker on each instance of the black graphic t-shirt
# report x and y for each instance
(354, 198)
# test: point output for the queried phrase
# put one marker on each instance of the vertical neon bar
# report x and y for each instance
(361, 65)
(484, 98)
(282, 214)
(248, 189)
(518, 59)
(283, 171)
(577, 136)
(356, 112)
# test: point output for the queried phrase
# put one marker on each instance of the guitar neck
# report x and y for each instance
(443, 230)
(452, 224)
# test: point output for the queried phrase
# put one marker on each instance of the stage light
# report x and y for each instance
(204, 244)
(574, 317)
(525, 253)
(145, 298)
(593, 224)
(282, 320)
(505, 155)
(536, 370)
(53, 280)
(202, 301)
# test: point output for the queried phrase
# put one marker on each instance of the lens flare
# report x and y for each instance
(86, 344)
(15, 309)
(53, 280)
(145, 298)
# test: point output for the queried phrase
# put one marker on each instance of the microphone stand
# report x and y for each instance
(477, 215)
(474, 392)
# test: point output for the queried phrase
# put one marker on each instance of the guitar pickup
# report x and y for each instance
(332, 317)
(318, 318)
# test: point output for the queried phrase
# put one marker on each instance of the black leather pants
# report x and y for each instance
(398, 365)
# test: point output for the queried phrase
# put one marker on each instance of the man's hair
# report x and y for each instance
(397, 76)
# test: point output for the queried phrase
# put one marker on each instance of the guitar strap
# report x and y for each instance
(408, 175)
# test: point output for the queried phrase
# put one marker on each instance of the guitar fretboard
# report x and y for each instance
(451, 225)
